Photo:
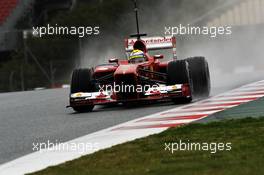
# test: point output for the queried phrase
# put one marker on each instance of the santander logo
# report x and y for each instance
(151, 40)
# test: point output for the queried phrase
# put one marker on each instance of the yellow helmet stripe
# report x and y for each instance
(134, 57)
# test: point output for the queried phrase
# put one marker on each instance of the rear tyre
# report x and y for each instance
(199, 73)
(82, 82)
(178, 73)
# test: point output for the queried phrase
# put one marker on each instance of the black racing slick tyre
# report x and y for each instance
(82, 82)
(178, 73)
(200, 76)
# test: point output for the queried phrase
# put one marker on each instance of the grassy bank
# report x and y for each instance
(148, 155)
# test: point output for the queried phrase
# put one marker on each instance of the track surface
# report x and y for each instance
(41, 116)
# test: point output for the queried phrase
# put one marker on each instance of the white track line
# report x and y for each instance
(134, 129)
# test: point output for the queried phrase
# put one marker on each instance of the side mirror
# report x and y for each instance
(113, 60)
(158, 56)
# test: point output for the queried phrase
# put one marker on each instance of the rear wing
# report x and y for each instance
(154, 43)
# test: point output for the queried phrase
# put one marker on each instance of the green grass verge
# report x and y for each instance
(148, 156)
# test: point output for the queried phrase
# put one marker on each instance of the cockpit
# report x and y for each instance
(136, 56)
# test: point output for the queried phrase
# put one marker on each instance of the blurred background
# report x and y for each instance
(31, 63)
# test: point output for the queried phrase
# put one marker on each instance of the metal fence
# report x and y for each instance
(244, 12)
(9, 36)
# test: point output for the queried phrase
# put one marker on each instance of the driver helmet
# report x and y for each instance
(136, 56)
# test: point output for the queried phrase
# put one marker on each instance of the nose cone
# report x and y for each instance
(126, 79)
(126, 69)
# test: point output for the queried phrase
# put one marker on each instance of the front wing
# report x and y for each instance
(162, 92)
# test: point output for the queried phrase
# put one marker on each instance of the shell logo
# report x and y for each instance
(78, 95)
(174, 87)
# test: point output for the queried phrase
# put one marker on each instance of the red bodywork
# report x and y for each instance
(123, 72)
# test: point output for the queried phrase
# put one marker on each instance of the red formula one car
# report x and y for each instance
(141, 77)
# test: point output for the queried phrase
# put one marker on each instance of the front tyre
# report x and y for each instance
(82, 82)
(178, 73)
(82, 109)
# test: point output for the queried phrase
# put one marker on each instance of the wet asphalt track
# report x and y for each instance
(40, 116)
